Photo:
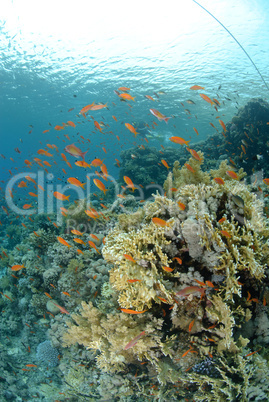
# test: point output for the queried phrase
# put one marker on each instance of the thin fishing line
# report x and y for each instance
(239, 44)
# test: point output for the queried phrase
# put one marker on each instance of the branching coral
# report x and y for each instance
(109, 334)
(187, 272)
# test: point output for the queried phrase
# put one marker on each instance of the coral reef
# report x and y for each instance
(187, 270)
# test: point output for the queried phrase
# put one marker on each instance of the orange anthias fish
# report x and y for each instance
(128, 311)
(129, 182)
(189, 167)
(195, 155)
(27, 206)
(97, 125)
(82, 164)
(219, 180)
(207, 99)
(64, 242)
(196, 87)
(222, 125)
(225, 233)
(79, 241)
(179, 140)
(76, 232)
(129, 257)
(181, 205)
(168, 269)
(75, 151)
(159, 115)
(63, 310)
(126, 97)
(124, 89)
(160, 222)
(75, 182)
(85, 109)
(17, 267)
(60, 196)
(91, 244)
(266, 181)
(165, 163)
(98, 107)
(97, 162)
(134, 341)
(100, 185)
(232, 174)
(131, 128)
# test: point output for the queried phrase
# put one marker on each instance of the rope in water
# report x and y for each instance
(239, 44)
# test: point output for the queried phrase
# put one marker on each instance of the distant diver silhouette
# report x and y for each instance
(226, 29)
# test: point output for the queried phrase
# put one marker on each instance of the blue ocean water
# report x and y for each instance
(47, 60)
(58, 58)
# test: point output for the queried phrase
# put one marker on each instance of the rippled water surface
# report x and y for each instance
(63, 56)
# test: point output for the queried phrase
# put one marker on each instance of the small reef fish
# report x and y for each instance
(97, 125)
(238, 201)
(207, 99)
(79, 241)
(64, 242)
(219, 180)
(129, 257)
(168, 269)
(17, 267)
(196, 130)
(129, 182)
(181, 206)
(134, 341)
(226, 234)
(159, 115)
(97, 162)
(85, 109)
(266, 181)
(124, 89)
(133, 280)
(189, 290)
(126, 97)
(75, 151)
(75, 182)
(131, 128)
(76, 232)
(195, 155)
(160, 222)
(165, 163)
(191, 325)
(82, 164)
(196, 87)
(222, 125)
(179, 140)
(232, 174)
(27, 206)
(128, 311)
(100, 185)
(189, 167)
(91, 244)
(178, 260)
(71, 123)
(63, 310)
(61, 196)
(98, 107)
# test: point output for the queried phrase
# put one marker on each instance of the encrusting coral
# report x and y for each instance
(186, 271)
